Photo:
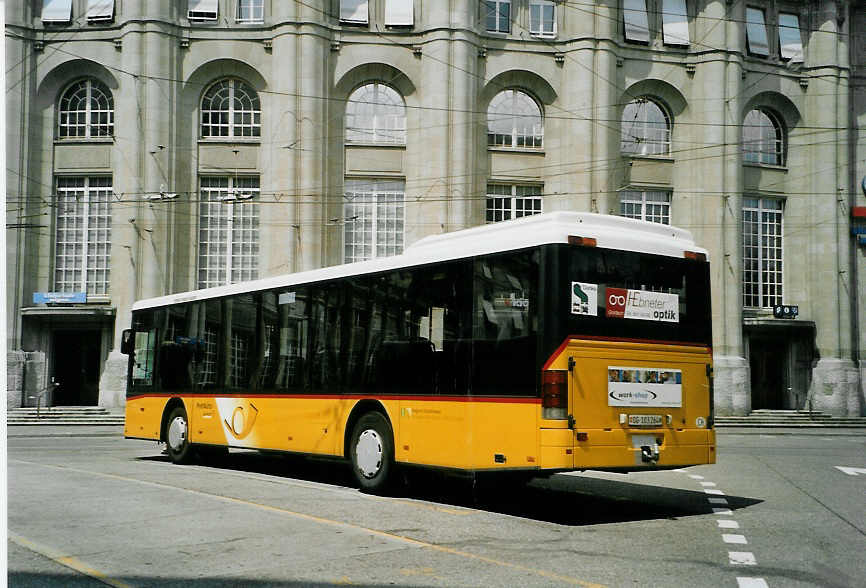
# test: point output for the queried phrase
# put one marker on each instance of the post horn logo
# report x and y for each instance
(242, 421)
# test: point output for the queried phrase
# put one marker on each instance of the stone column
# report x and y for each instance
(834, 377)
(281, 155)
(311, 189)
(716, 100)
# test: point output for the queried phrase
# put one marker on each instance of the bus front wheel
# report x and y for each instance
(177, 436)
(372, 453)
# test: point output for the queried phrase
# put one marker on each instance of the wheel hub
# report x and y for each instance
(177, 433)
(368, 453)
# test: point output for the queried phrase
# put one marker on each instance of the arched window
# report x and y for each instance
(514, 120)
(86, 111)
(375, 113)
(646, 128)
(231, 108)
(763, 138)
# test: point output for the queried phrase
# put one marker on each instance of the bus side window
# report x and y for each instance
(143, 359)
(174, 365)
(241, 318)
(293, 337)
(505, 324)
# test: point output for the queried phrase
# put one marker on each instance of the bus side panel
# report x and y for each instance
(301, 424)
(503, 435)
(433, 432)
(305, 425)
(144, 417)
(469, 435)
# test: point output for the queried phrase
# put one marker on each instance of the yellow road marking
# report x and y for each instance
(333, 523)
(66, 560)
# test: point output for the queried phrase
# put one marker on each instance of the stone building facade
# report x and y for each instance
(157, 146)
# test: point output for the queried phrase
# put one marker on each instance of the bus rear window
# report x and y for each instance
(602, 292)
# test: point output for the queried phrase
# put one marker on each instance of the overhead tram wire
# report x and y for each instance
(681, 123)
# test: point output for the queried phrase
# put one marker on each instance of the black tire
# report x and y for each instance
(177, 443)
(372, 452)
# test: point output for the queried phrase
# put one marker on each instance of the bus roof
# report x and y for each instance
(610, 232)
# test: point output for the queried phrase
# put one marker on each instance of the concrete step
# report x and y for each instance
(794, 419)
(64, 415)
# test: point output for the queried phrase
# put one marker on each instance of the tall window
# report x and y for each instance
(231, 108)
(757, 39)
(646, 128)
(498, 18)
(508, 201)
(228, 231)
(56, 11)
(542, 18)
(202, 10)
(374, 219)
(82, 244)
(86, 111)
(375, 113)
(353, 11)
(635, 21)
(251, 11)
(653, 206)
(100, 11)
(790, 41)
(763, 138)
(514, 120)
(762, 252)
(675, 22)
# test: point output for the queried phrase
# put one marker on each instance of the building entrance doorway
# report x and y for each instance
(76, 367)
(780, 359)
(768, 360)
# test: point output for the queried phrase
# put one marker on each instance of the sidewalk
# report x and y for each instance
(13, 431)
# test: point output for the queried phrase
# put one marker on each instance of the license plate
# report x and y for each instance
(645, 420)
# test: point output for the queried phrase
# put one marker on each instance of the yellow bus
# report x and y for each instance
(556, 342)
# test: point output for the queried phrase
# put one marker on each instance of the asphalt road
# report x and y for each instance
(777, 510)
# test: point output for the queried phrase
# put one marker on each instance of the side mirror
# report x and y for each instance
(127, 342)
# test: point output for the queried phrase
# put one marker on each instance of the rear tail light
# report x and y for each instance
(554, 394)
(695, 255)
(582, 241)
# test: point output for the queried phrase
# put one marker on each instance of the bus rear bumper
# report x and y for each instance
(627, 449)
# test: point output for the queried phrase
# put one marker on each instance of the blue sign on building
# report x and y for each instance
(59, 297)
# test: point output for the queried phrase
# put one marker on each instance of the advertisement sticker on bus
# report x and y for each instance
(653, 387)
(584, 298)
(642, 305)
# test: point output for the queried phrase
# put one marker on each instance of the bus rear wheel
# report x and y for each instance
(372, 453)
(177, 436)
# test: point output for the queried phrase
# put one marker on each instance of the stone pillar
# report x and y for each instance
(34, 380)
(434, 212)
(14, 379)
(720, 210)
(462, 101)
(281, 230)
(834, 377)
(311, 189)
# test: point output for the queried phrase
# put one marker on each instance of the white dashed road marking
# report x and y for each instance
(742, 558)
(751, 583)
(735, 558)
